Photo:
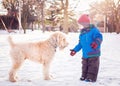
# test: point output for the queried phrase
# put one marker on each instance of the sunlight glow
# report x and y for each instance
(81, 5)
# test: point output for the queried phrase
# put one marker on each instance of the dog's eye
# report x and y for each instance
(64, 39)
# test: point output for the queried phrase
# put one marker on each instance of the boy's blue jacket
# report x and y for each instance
(86, 38)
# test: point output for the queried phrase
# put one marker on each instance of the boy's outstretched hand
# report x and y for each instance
(72, 53)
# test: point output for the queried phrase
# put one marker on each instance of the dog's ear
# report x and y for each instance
(54, 38)
(61, 39)
(61, 36)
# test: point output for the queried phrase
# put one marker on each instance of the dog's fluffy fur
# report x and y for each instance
(42, 52)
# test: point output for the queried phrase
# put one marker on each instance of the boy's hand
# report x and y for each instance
(72, 53)
(94, 45)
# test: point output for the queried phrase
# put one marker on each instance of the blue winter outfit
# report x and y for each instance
(86, 38)
(90, 40)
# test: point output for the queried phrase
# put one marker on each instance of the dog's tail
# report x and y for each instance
(10, 41)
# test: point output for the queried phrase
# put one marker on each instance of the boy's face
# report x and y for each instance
(84, 24)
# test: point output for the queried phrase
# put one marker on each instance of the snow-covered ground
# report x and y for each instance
(65, 68)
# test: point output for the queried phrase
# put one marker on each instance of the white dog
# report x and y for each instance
(42, 52)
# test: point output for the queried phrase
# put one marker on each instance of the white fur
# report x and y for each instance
(42, 52)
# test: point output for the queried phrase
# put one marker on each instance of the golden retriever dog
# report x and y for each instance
(41, 52)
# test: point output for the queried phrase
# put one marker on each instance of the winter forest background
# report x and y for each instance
(59, 14)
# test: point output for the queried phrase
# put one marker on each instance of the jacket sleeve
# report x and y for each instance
(77, 47)
(97, 37)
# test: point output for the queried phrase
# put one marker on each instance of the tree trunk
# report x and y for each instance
(42, 16)
(65, 25)
(19, 18)
(118, 27)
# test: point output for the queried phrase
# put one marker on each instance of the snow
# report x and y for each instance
(65, 68)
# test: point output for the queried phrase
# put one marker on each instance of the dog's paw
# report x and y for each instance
(13, 79)
(48, 77)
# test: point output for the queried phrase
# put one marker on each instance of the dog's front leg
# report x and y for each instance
(46, 67)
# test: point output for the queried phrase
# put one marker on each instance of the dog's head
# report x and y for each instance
(60, 40)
